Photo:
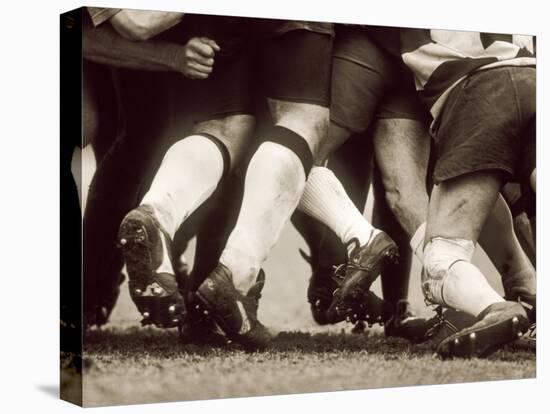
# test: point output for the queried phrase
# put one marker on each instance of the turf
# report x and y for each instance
(125, 363)
(135, 365)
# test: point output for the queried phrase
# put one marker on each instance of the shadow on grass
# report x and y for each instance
(135, 342)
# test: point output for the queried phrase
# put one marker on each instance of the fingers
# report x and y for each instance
(203, 46)
(201, 60)
(199, 57)
(200, 68)
(193, 74)
(211, 43)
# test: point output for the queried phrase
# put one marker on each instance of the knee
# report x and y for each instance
(394, 198)
(307, 120)
(440, 254)
(403, 188)
(233, 132)
(400, 195)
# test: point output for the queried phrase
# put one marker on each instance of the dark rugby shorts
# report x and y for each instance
(369, 84)
(487, 123)
(261, 58)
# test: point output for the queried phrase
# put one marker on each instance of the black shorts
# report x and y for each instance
(368, 83)
(260, 58)
(487, 123)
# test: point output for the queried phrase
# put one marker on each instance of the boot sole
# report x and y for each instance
(485, 340)
(162, 311)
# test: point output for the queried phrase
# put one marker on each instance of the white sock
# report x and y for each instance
(326, 200)
(274, 182)
(417, 242)
(188, 175)
(467, 289)
(460, 284)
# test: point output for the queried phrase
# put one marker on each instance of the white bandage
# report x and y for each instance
(439, 255)
(417, 242)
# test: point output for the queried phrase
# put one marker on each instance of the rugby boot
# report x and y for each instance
(405, 324)
(145, 246)
(499, 324)
(234, 313)
(521, 288)
(364, 265)
(322, 285)
(197, 327)
(446, 322)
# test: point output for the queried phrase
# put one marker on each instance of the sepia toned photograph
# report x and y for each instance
(256, 206)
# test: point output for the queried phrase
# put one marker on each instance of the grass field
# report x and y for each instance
(133, 365)
(125, 363)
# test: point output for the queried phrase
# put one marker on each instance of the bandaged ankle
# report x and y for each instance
(439, 255)
(449, 278)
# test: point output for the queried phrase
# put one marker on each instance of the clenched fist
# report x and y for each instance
(196, 59)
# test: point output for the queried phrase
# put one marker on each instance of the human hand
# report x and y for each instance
(197, 58)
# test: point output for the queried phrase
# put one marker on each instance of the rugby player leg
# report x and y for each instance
(499, 241)
(274, 179)
(356, 92)
(121, 167)
(274, 182)
(277, 172)
(193, 167)
(350, 163)
(190, 172)
(457, 212)
(211, 223)
(118, 179)
(402, 151)
(518, 206)
(517, 270)
(449, 277)
(402, 147)
(100, 116)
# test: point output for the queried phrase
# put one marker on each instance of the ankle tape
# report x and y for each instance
(440, 254)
